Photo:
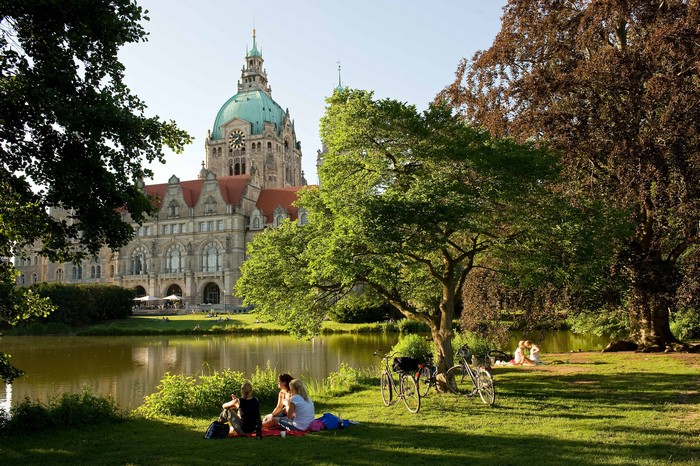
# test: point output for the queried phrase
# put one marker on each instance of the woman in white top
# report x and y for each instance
(534, 352)
(300, 412)
(519, 358)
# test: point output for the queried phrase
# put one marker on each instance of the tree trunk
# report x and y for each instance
(442, 333)
(654, 285)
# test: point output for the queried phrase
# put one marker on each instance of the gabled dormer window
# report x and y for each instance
(279, 216)
(303, 217)
(173, 210)
(256, 220)
(210, 206)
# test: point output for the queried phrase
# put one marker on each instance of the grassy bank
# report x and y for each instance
(601, 409)
(189, 324)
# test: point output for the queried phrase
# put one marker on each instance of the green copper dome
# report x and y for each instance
(254, 106)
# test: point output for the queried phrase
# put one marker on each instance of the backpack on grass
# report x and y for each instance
(217, 430)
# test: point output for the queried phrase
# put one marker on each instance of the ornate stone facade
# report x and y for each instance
(194, 246)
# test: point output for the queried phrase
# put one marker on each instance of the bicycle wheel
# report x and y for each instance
(409, 393)
(486, 388)
(424, 380)
(386, 382)
(459, 381)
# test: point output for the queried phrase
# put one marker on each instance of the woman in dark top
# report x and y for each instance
(247, 418)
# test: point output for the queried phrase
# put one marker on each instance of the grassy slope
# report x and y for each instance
(185, 324)
(601, 409)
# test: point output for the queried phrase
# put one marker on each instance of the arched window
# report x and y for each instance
(59, 275)
(173, 209)
(279, 216)
(95, 268)
(174, 290)
(77, 272)
(212, 294)
(173, 259)
(35, 279)
(256, 222)
(138, 261)
(111, 270)
(239, 166)
(269, 145)
(303, 218)
(21, 279)
(210, 258)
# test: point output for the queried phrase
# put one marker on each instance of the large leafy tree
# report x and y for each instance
(614, 86)
(409, 204)
(72, 135)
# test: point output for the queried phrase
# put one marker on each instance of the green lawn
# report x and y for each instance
(602, 409)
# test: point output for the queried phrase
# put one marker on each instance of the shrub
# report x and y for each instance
(614, 323)
(202, 396)
(265, 383)
(68, 410)
(685, 324)
(478, 344)
(170, 398)
(84, 304)
(346, 380)
(411, 326)
(413, 346)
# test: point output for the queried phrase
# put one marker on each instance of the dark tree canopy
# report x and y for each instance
(613, 86)
(72, 134)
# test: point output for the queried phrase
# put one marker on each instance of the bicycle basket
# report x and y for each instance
(405, 364)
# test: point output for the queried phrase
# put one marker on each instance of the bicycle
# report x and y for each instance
(406, 388)
(463, 379)
(426, 377)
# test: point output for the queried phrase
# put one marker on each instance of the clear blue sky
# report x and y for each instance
(400, 49)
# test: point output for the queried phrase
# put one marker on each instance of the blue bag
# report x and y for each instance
(331, 421)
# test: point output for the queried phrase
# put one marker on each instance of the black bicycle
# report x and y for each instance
(406, 388)
(426, 376)
(463, 379)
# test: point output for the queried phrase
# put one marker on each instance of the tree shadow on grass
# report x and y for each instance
(180, 442)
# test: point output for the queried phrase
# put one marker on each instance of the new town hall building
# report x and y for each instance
(194, 246)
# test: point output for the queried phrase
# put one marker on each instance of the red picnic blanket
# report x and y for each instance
(274, 432)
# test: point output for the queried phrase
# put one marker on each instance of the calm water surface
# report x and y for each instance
(129, 368)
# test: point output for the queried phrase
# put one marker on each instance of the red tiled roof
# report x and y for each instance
(271, 198)
(231, 188)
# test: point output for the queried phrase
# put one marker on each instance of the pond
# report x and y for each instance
(130, 368)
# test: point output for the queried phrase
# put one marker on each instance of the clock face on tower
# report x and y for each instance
(236, 139)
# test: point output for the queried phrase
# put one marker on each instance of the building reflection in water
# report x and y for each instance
(129, 368)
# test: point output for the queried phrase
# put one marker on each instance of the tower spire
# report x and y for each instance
(253, 75)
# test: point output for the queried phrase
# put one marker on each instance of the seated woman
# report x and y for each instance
(243, 413)
(282, 401)
(534, 352)
(300, 412)
(519, 359)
